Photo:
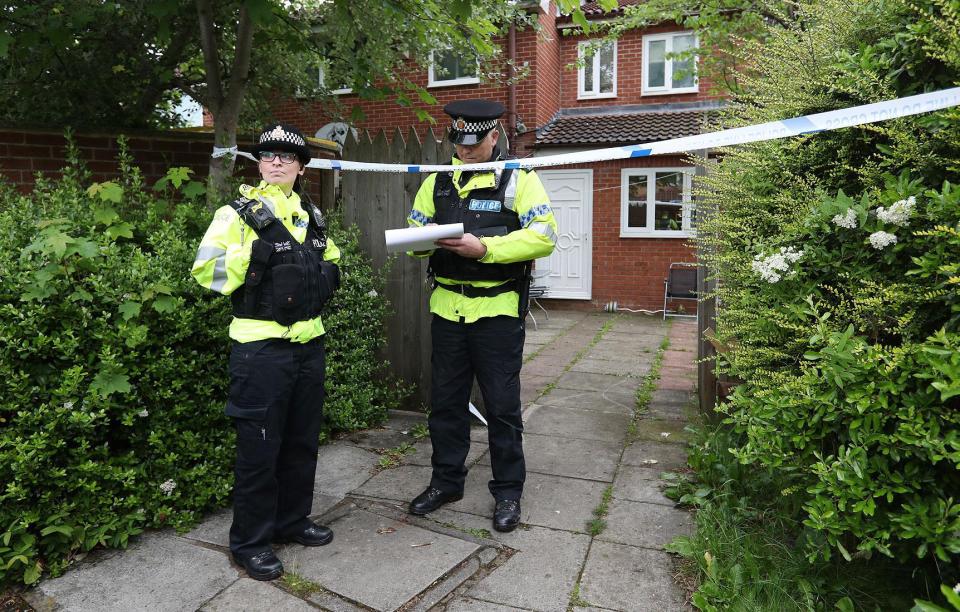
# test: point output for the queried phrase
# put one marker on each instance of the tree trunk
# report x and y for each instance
(225, 99)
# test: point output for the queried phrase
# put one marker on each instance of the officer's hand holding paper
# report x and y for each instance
(420, 238)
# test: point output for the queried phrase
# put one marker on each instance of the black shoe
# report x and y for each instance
(431, 499)
(314, 535)
(261, 566)
(506, 516)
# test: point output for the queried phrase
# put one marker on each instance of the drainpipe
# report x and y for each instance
(512, 89)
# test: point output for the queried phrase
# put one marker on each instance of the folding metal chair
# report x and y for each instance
(537, 290)
(680, 284)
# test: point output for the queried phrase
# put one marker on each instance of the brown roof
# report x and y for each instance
(621, 127)
(592, 10)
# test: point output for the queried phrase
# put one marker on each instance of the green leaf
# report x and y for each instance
(108, 191)
(164, 303)
(105, 215)
(120, 230)
(845, 605)
(32, 573)
(194, 189)
(179, 175)
(953, 598)
(129, 310)
(66, 530)
(57, 243)
(926, 606)
(843, 551)
(107, 383)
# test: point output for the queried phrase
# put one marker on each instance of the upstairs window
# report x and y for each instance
(663, 74)
(342, 88)
(656, 203)
(449, 68)
(597, 78)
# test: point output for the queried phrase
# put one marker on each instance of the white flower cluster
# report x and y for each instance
(847, 220)
(168, 487)
(772, 268)
(899, 213)
(143, 413)
(880, 240)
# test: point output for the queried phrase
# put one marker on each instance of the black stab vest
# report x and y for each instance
(481, 209)
(286, 281)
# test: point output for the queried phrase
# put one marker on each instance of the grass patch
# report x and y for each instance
(393, 457)
(597, 524)
(576, 601)
(420, 431)
(475, 532)
(646, 389)
(299, 586)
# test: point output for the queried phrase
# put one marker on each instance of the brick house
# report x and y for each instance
(617, 236)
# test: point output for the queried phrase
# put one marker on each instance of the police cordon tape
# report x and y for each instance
(809, 124)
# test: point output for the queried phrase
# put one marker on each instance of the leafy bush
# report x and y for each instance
(842, 309)
(113, 366)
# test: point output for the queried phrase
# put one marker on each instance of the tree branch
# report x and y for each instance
(211, 55)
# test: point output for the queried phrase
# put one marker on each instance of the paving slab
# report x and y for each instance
(468, 604)
(158, 572)
(597, 382)
(589, 459)
(672, 412)
(575, 423)
(655, 456)
(425, 451)
(342, 467)
(379, 438)
(646, 525)
(618, 577)
(622, 402)
(540, 575)
(640, 485)
(247, 595)
(377, 561)
(398, 484)
(663, 430)
(404, 420)
(619, 367)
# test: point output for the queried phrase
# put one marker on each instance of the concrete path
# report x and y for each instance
(594, 520)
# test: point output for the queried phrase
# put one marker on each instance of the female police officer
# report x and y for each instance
(268, 252)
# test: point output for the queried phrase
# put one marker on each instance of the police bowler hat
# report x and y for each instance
(282, 137)
(472, 120)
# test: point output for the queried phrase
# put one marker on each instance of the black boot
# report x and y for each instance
(506, 516)
(431, 499)
(261, 566)
(313, 535)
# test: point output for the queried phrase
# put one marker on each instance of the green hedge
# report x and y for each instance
(837, 256)
(113, 366)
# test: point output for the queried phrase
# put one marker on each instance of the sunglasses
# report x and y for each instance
(285, 156)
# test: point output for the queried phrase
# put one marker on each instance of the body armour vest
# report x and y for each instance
(286, 281)
(484, 212)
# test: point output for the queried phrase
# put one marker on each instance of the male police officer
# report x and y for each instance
(477, 327)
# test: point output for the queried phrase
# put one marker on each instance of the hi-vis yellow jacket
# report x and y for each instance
(224, 255)
(536, 238)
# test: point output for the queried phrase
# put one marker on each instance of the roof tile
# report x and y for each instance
(621, 128)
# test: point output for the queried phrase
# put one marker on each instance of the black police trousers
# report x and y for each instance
(490, 349)
(276, 401)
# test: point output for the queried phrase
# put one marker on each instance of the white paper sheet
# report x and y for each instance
(420, 238)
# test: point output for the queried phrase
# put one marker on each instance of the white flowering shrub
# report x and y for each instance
(847, 357)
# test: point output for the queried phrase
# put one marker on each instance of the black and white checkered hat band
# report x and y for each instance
(473, 127)
(278, 134)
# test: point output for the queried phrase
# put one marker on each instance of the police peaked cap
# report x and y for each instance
(472, 120)
(282, 137)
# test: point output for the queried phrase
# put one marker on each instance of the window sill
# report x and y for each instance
(596, 97)
(453, 83)
(670, 92)
(659, 234)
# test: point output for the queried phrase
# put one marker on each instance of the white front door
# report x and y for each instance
(569, 266)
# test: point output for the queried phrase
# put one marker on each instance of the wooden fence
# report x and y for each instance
(377, 201)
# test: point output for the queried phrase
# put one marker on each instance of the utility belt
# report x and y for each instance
(474, 292)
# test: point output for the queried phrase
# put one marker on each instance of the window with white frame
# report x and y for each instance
(597, 77)
(655, 202)
(450, 68)
(663, 73)
(321, 81)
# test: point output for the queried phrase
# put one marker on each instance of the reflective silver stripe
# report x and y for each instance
(219, 275)
(208, 253)
(546, 230)
(511, 192)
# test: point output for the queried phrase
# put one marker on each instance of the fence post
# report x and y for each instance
(706, 284)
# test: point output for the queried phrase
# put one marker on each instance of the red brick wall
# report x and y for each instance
(629, 74)
(628, 270)
(26, 153)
